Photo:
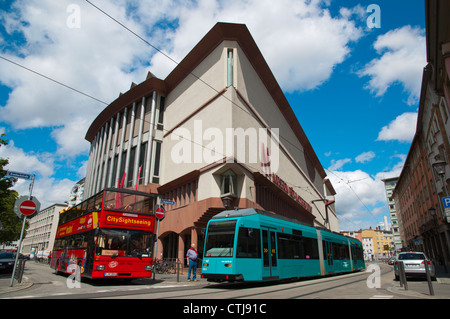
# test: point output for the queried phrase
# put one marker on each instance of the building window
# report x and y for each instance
(228, 182)
(157, 162)
(162, 103)
(229, 67)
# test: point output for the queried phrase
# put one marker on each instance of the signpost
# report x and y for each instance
(26, 206)
(160, 213)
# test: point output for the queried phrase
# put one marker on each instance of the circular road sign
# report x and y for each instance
(160, 213)
(27, 207)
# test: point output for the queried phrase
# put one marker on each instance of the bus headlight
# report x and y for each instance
(148, 267)
(100, 267)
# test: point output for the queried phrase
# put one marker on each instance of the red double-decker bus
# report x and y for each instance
(109, 235)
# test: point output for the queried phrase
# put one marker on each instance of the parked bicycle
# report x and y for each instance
(162, 266)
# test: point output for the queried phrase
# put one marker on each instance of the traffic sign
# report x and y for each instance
(168, 202)
(446, 203)
(20, 175)
(160, 213)
(26, 207)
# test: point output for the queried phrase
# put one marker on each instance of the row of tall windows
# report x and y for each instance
(119, 164)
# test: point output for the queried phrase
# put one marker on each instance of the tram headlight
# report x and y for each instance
(148, 267)
(205, 265)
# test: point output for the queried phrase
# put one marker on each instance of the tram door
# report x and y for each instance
(270, 255)
(328, 256)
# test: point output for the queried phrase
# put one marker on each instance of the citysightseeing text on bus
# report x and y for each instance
(127, 221)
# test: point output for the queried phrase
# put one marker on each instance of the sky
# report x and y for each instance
(351, 71)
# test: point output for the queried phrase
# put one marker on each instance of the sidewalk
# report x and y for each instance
(5, 281)
(441, 287)
(160, 279)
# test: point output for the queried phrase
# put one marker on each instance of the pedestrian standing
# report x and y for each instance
(192, 256)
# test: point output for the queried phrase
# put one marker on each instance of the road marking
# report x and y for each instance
(381, 297)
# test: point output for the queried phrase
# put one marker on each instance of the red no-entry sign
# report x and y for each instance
(26, 207)
(160, 213)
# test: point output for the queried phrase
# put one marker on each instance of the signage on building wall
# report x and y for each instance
(274, 178)
(446, 203)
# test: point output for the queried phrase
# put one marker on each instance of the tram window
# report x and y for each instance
(311, 248)
(249, 243)
(290, 247)
(295, 247)
(340, 251)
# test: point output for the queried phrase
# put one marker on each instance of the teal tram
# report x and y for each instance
(254, 245)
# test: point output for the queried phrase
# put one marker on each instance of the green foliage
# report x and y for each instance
(11, 223)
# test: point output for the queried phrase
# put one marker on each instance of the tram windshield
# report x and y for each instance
(220, 238)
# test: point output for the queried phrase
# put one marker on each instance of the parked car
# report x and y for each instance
(7, 261)
(414, 265)
(391, 261)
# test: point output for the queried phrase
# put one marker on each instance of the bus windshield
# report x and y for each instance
(120, 242)
(220, 238)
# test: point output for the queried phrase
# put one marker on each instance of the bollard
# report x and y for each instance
(427, 271)
(20, 267)
(402, 274)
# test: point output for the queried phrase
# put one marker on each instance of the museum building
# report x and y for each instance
(217, 133)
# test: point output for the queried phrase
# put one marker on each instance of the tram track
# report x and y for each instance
(281, 289)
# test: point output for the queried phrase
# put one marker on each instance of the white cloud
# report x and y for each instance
(401, 129)
(300, 40)
(100, 58)
(403, 57)
(365, 157)
(47, 189)
(360, 199)
(337, 164)
(20, 161)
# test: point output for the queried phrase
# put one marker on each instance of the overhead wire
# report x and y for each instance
(53, 80)
(178, 64)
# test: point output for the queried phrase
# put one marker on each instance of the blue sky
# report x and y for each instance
(354, 88)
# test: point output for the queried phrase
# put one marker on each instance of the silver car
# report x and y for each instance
(414, 265)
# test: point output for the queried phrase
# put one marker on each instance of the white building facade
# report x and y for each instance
(217, 133)
(42, 230)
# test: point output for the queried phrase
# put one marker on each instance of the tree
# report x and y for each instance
(10, 221)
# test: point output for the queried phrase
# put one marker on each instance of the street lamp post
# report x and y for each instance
(439, 168)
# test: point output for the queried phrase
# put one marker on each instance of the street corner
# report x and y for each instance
(5, 282)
